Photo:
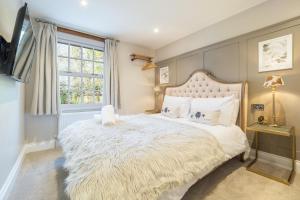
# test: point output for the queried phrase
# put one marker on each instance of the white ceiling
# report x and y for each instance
(134, 20)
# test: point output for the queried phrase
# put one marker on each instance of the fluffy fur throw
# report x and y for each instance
(138, 158)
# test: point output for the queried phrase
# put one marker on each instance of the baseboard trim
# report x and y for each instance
(39, 146)
(12, 176)
(275, 160)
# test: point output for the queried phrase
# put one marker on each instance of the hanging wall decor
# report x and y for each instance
(276, 54)
(164, 75)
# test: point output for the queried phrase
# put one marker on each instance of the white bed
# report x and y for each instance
(96, 156)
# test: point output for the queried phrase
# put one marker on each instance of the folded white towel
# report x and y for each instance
(108, 115)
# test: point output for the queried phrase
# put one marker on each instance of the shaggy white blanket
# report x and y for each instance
(138, 158)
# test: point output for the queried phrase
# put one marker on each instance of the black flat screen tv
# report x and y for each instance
(9, 51)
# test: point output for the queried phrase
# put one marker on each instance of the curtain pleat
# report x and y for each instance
(45, 99)
(111, 75)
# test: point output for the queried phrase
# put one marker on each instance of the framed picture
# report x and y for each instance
(164, 75)
(276, 54)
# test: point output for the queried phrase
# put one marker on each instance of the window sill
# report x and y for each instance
(67, 108)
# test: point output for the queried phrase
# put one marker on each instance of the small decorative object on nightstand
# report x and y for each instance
(286, 131)
(261, 119)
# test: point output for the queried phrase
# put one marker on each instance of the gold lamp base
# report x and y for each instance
(273, 82)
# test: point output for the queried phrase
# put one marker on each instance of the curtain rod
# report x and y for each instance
(74, 32)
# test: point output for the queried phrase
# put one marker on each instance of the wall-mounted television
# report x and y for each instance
(9, 51)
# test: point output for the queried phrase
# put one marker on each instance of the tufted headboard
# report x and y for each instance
(201, 84)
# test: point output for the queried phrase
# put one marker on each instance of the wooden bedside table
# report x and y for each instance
(285, 131)
(153, 111)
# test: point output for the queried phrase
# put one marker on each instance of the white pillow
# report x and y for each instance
(206, 117)
(209, 103)
(227, 110)
(108, 115)
(225, 105)
(183, 103)
(235, 111)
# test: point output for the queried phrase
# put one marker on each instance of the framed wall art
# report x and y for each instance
(276, 54)
(164, 75)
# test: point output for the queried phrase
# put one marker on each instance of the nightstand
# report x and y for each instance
(153, 111)
(285, 131)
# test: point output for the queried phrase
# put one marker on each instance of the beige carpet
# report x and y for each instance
(42, 178)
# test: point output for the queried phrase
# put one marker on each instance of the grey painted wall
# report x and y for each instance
(237, 60)
(11, 101)
(266, 14)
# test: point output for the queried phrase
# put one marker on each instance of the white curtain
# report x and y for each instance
(111, 74)
(45, 86)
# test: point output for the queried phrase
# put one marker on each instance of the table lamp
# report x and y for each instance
(273, 82)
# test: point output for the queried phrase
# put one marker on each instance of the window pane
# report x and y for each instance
(75, 52)
(98, 68)
(98, 97)
(87, 84)
(87, 54)
(87, 67)
(62, 64)
(98, 90)
(75, 65)
(98, 55)
(62, 49)
(63, 88)
(75, 90)
(98, 84)
(88, 97)
(83, 62)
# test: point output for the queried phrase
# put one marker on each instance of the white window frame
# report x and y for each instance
(82, 42)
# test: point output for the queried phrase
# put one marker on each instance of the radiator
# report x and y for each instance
(65, 119)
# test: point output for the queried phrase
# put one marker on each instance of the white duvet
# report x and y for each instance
(231, 138)
(141, 157)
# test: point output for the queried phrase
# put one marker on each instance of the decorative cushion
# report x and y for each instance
(171, 111)
(206, 117)
(224, 105)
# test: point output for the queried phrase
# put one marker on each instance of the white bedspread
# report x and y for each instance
(231, 138)
(139, 158)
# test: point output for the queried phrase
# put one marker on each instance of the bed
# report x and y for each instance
(153, 156)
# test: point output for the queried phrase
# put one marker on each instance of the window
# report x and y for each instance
(80, 69)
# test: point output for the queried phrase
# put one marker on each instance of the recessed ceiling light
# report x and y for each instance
(155, 30)
(83, 2)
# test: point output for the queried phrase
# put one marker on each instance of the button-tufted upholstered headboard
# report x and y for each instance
(201, 84)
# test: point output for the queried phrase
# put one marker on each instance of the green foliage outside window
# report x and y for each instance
(81, 74)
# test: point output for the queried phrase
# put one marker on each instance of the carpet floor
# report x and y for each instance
(42, 178)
